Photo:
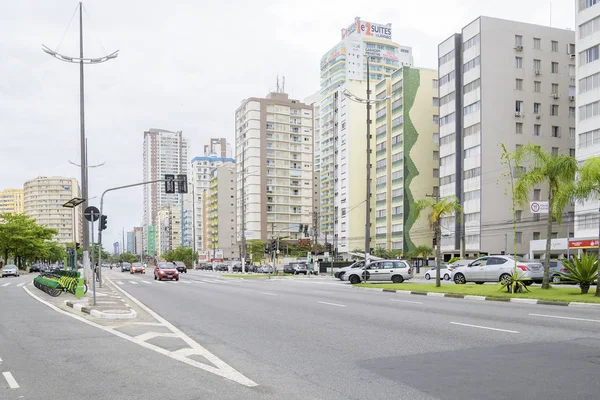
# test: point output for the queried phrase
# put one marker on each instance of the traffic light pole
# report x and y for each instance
(102, 213)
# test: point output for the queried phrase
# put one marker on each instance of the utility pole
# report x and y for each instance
(272, 255)
(438, 244)
(243, 191)
(368, 200)
(315, 235)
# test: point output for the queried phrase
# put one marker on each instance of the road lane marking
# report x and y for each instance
(186, 282)
(407, 301)
(0, 361)
(268, 294)
(133, 282)
(148, 323)
(12, 383)
(120, 282)
(22, 284)
(149, 283)
(484, 327)
(569, 318)
(6, 284)
(331, 304)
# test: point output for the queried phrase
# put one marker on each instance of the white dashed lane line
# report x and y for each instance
(12, 383)
(331, 304)
(6, 284)
(268, 294)
(484, 327)
(569, 318)
(406, 301)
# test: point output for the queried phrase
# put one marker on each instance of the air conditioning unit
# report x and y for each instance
(572, 55)
(555, 95)
(519, 48)
(571, 98)
(518, 114)
(538, 72)
(572, 78)
(538, 116)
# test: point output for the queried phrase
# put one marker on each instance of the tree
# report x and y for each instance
(184, 254)
(23, 239)
(128, 258)
(557, 172)
(256, 248)
(586, 187)
(423, 251)
(438, 209)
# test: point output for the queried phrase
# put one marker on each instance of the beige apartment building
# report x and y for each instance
(222, 213)
(43, 200)
(274, 154)
(11, 201)
(168, 224)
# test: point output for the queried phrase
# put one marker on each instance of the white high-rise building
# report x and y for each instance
(586, 54)
(43, 201)
(342, 126)
(165, 152)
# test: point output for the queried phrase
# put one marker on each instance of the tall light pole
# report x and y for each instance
(81, 61)
(368, 54)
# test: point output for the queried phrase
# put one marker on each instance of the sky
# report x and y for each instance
(183, 65)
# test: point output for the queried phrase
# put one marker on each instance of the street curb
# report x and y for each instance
(100, 314)
(484, 298)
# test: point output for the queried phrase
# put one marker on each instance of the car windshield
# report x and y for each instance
(10, 267)
(137, 264)
(166, 266)
(521, 259)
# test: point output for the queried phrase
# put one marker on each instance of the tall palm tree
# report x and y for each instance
(438, 209)
(557, 172)
(586, 187)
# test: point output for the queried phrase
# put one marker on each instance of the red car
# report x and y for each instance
(166, 270)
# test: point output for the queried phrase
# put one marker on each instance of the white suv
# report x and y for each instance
(496, 269)
(396, 271)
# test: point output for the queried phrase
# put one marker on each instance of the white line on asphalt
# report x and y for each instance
(268, 294)
(12, 383)
(331, 304)
(200, 282)
(407, 301)
(570, 318)
(484, 327)
(120, 282)
(149, 283)
(186, 282)
(6, 284)
(22, 284)
(133, 282)
(0, 361)
(148, 323)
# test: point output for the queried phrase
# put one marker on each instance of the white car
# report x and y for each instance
(396, 271)
(342, 271)
(445, 272)
(496, 269)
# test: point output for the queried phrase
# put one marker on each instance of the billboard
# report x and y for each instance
(216, 255)
(202, 257)
(364, 28)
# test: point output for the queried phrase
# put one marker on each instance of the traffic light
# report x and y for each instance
(306, 230)
(182, 186)
(103, 219)
(77, 246)
(273, 246)
(300, 228)
(169, 183)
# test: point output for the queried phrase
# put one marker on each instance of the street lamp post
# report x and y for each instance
(368, 54)
(81, 61)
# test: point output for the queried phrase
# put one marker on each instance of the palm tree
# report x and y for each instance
(586, 187)
(438, 209)
(558, 173)
(423, 251)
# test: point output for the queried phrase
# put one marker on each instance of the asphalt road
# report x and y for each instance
(307, 338)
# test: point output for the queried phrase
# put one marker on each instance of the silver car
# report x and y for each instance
(497, 268)
(10, 270)
(396, 271)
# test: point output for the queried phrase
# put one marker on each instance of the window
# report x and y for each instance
(554, 109)
(589, 55)
(380, 214)
(587, 29)
(451, 138)
(537, 86)
(472, 152)
(436, 119)
(397, 139)
(434, 83)
(518, 40)
(537, 65)
(396, 157)
(537, 194)
(519, 128)
(519, 84)
(472, 195)
(436, 155)
(436, 101)
(571, 133)
(537, 43)
(572, 153)
(537, 107)
(571, 113)
(519, 62)
(446, 161)
(554, 151)
(471, 108)
(519, 106)
(447, 57)
(589, 110)
(518, 215)
(554, 45)
(471, 42)
(519, 237)
(556, 131)
(396, 193)
(472, 130)
(469, 65)
(436, 137)
(554, 67)
(536, 235)
(447, 119)
(555, 88)
(537, 130)
(447, 98)
(472, 173)
(471, 86)
(446, 180)
(447, 78)
(436, 173)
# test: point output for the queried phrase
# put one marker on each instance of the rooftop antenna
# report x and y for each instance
(277, 91)
(283, 85)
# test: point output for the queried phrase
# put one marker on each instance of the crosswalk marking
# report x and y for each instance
(120, 282)
(21, 284)
(6, 284)
(149, 283)
(133, 282)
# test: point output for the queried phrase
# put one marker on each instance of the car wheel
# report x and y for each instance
(177, 279)
(446, 277)
(397, 279)
(354, 279)
(504, 278)
(528, 283)
(155, 277)
(556, 279)
(460, 279)
(427, 277)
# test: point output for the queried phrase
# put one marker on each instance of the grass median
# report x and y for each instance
(552, 294)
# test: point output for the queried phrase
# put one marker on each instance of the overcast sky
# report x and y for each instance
(183, 65)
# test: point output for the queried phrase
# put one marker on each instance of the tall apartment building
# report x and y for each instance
(344, 68)
(586, 55)
(200, 175)
(168, 229)
(130, 242)
(165, 152)
(315, 102)
(11, 201)
(500, 82)
(43, 201)
(218, 146)
(222, 212)
(274, 153)
(138, 233)
(406, 156)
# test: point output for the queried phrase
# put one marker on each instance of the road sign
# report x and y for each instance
(538, 207)
(169, 183)
(91, 213)
(182, 185)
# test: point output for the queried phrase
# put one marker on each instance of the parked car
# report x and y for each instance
(236, 267)
(288, 269)
(396, 271)
(180, 266)
(445, 272)
(497, 268)
(342, 271)
(137, 267)
(9, 270)
(557, 267)
(166, 270)
(300, 268)
(125, 267)
(35, 268)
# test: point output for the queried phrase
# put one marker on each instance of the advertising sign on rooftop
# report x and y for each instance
(364, 28)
